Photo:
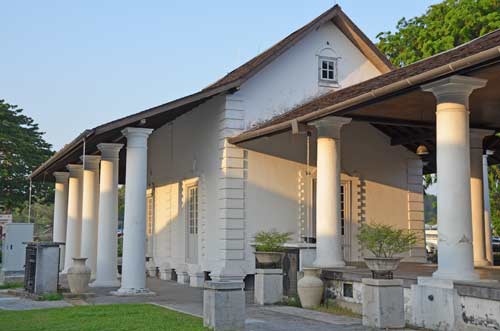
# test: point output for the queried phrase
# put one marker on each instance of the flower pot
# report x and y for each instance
(269, 259)
(382, 267)
(79, 276)
(310, 288)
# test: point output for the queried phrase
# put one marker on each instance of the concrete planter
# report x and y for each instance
(268, 259)
(79, 276)
(310, 288)
(382, 265)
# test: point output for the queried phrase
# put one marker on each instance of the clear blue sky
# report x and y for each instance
(73, 65)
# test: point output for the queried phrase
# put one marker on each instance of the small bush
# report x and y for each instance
(384, 240)
(271, 241)
(11, 285)
(51, 297)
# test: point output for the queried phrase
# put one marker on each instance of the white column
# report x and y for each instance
(90, 207)
(455, 253)
(328, 221)
(487, 216)
(134, 230)
(60, 211)
(106, 266)
(476, 186)
(74, 223)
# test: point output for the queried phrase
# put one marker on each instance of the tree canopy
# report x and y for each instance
(22, 149)
(444, 26)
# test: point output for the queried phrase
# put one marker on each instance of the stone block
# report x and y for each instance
(196, 279)
(224, 305)
(434, 303)
(383, 303)
(268, 286)
(182, 277)
(166, 274)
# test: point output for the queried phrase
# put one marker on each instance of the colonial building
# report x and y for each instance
(315, 136)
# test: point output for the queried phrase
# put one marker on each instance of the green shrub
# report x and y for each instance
(51, 297)
(384, 240)
(271, 241)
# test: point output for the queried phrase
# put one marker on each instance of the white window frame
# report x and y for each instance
(327, 81)
(192, 223)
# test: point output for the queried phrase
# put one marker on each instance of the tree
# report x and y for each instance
(22, 149)
(444, 26)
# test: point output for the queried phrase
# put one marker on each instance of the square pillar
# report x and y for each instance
(268, 286)
(383, 303)
(224, 305)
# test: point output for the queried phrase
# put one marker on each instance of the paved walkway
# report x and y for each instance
(8, 302)
(190, 300)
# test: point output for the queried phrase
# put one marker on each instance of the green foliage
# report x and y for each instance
(118, 317)
(7, 286)
(120, 246)
(22, 149)
(50, 297)
(430, 209)
(384, 240)
(41, 214)
(334, 309)
(271, 241)
(445, 25)
(494, 184)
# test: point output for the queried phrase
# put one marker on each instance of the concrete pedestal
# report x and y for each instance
(434, 302)
(182, 277)
(224, 306)
(166, 273)
(383, 303)
(268, 286)
(197, 279)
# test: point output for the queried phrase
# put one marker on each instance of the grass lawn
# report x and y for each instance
(125, 317)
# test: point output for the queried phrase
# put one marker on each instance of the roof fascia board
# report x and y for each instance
(421, 78)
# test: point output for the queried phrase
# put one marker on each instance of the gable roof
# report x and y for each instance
(465, 56)
(159, 115)
(334, 14)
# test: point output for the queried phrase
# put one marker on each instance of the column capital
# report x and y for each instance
(75, 170)
(109, 151)
(137, 137)
(454, 89)
(61, 176)
(91, 162)
(477, 136)
(330, 126)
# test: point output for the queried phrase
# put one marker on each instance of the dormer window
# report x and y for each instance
(327, 69)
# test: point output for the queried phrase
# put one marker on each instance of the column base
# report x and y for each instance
(123, 292)
(481, 263)
(224, 305)
(328, 264)
(455, 275)
(105, 283)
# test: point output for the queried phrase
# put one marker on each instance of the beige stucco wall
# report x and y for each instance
(376, 172)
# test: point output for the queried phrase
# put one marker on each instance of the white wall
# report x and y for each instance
(292, 78)
(183, 149)
(376, 170)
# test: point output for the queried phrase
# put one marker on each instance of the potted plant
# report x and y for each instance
(269, 247)
(384, 241)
